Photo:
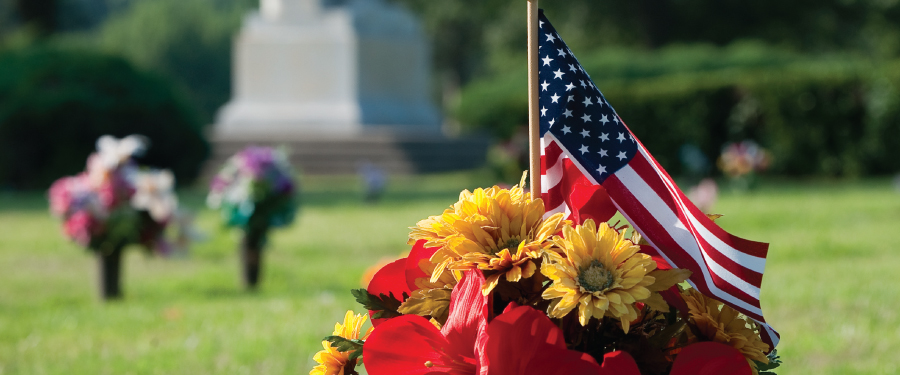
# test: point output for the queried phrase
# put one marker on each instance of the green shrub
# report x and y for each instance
(188, 41)
(55, 103)
(832, 117)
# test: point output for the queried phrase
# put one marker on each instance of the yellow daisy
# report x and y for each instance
(331, 361)
(600, 272)
(720, 323)
(496, 230)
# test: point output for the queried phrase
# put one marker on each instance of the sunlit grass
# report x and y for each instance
(828, 286)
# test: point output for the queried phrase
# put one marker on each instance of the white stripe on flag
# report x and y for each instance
(561, 208)
(553, 175)
(661, 212)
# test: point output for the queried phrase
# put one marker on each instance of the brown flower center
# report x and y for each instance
(595, 277)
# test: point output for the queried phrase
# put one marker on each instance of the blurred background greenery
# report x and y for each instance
(815, 82)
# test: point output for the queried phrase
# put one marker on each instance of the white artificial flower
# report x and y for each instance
(153, 193)
(112, 152)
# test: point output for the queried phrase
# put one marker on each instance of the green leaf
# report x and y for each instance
(428, 302)
(354, 347)
(774, 362)
(385, 306)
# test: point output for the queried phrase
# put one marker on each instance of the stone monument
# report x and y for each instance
(304, 69)
(342, 84)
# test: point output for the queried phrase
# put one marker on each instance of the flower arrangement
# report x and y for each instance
(113, 203)
(255, 191)
(741, 161)
(495, 286)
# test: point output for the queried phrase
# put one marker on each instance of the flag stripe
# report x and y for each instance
(692, 243)
(757, 250)
(718, 250)
(665, 226)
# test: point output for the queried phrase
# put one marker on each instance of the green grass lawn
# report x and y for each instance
(828, 288)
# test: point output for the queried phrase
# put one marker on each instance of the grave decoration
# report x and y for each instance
(115, 203)
(506, 282)
(742, 161)
(493, 286)
(255, 191)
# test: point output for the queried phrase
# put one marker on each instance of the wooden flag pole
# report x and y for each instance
(534, 130)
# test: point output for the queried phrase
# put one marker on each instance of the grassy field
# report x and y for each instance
(828, 288)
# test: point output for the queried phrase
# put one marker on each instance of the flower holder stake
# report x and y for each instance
(110, 269)
(251, 259)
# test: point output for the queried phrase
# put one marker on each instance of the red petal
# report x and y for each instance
(619, 363)
(413, 272)
(389, 279)
(710, 358)
(403, 345)
(589, 201)
(465, 327)
(523, 341)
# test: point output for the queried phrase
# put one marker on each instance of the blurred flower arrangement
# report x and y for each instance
(114, 203)
(741, 161)
(255, 191)
(492, 286)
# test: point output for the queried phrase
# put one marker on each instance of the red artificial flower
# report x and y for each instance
(418, 253)
(521, 341)
(410, 344)
(390, 279)
(400, 276)
(710, 358)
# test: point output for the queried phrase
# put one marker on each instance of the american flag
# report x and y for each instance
(584, 142)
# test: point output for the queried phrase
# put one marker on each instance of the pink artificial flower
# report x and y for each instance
(80, 227)
(61, 195)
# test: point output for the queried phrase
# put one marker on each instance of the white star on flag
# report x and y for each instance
(555, 98)
(587, 102)
(604, 137)
(621, 137)
(547, 60)
(621, 155)
(559, 74)
(569, 87)
(566, 130)
(583, 149)
(604, 120)
(544, 86)
(602, 153)
(567, 113)
(585, 133)
(586, 118)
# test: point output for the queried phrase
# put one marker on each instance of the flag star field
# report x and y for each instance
(575, 112)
